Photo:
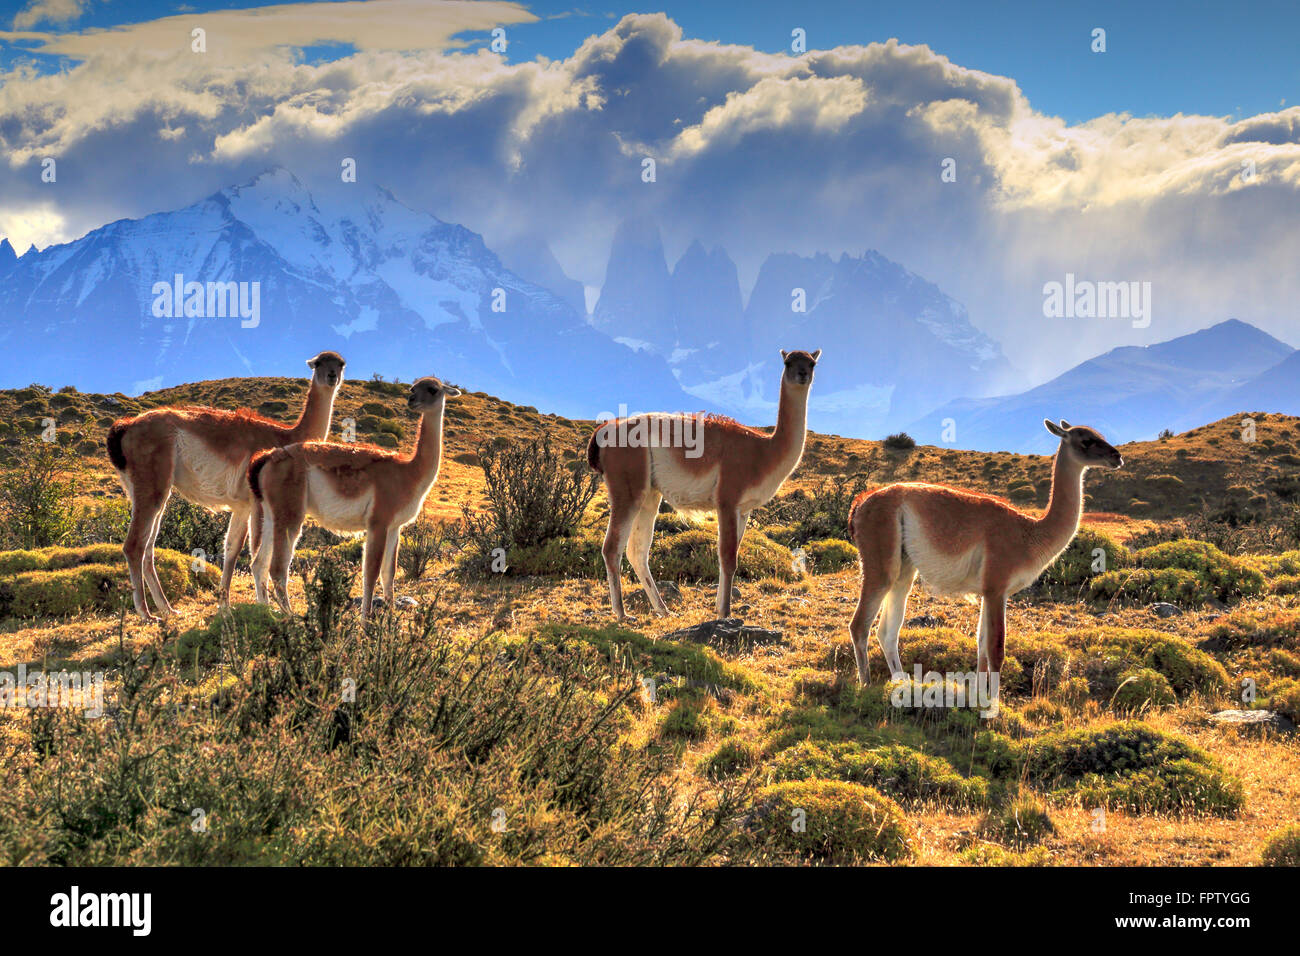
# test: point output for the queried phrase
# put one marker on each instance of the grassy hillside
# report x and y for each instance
(506, 719)
(1210, 467)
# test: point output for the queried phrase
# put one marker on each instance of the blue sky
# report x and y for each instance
(1163, 58)
(1172, 158)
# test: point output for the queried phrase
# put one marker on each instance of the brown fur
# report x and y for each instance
(739, 469)
(358, 488)
(963, 542)
(147, 450)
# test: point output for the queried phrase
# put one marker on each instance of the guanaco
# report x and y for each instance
(203, 453)
(346, 488)
(733, 470)
(964, 543)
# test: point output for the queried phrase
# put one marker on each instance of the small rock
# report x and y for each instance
(925, 620)
(669, 591)
(730, 632)
(1165, 609)
(407, 601)
(1254, 719)
(735, 593)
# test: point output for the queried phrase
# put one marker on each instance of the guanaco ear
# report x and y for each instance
(311, 363)
(451, 392)
(1056, 430)
(1065, 424)
(817, 355)
(784, 355)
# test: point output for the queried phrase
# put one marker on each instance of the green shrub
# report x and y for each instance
(1284, 697)
(246, 625)
(1134, 767)
(56, 582)
(102, 523)
(831, 821)
(689, 718)
(445, 736)
(1141, 688)
(1074, 567)
(829, 555)
(818, 512)
(693, 556)
(902, 772)
(533, 496)
(1244, 629)
(730, 757)
(1144, 586)
(987, 854)
(36, 497)
(187, 527)
(1226, 577)
(1282, 847)
(1021, 822)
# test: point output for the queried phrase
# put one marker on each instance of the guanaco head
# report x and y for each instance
(427, 393)
(326, 369)
(1085, 445)
(799, 366)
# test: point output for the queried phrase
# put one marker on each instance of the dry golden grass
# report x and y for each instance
(812, 613)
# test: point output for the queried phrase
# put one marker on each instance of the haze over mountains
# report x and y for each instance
(1133, 393)
(396, 291)
(893, 344)
(402, 293)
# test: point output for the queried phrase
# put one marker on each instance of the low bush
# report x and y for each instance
(904, 773)
(818, 512)
(1284, 697)
(730, 757)
(1282, 848)
(1133, 767)
(1141, 688)
(1080, 562)
(828, 555)
(56, 582)
(830, 821)
(533, 496)
(445, 740)
(1247, 629)
(1019, 823)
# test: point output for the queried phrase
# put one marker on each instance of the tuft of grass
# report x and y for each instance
(1021, 822)
(830, 821)
(902, 772)
(1282, 847)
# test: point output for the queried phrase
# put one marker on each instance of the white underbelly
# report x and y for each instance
(684, 490)
(207, 479)
(335, 511)
(946, 574)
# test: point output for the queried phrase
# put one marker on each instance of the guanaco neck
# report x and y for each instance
(314, 422)
(1065, 507)
(791, 423)
(427, 456)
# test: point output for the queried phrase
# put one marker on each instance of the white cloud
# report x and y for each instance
(832, 151)
(48, 11)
